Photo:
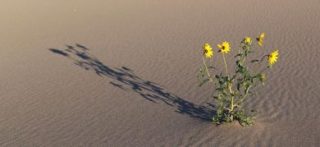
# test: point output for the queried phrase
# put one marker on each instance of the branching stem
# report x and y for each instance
(229, 86)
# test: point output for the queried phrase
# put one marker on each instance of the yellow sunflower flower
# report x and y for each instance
(260, 39)
(247, 40)
(207, 50)
(273, 57)
(224, 47)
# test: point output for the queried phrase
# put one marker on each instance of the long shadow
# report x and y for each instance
(124, 78)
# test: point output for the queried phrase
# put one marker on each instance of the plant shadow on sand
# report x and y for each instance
(124, 78)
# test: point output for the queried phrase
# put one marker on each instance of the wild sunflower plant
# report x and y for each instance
(232, 89)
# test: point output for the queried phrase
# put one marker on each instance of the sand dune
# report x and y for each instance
(123, 73)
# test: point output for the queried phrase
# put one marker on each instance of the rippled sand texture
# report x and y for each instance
(123, 73)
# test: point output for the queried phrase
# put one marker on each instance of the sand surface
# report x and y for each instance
(123, 73)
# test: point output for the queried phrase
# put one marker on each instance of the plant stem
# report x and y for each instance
(239, 103)
(232, 97)
(229, 86)
(225, 63)
(207, 71)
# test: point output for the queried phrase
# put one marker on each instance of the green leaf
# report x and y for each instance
(238, 55)
(203, 82)
(233, 77)
(255, 60)
(238, 86)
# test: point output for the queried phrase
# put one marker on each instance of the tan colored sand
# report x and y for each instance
(122, 73)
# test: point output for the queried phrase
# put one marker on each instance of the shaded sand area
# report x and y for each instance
(123, 73)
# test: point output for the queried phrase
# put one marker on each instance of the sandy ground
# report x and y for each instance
(123, 73)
